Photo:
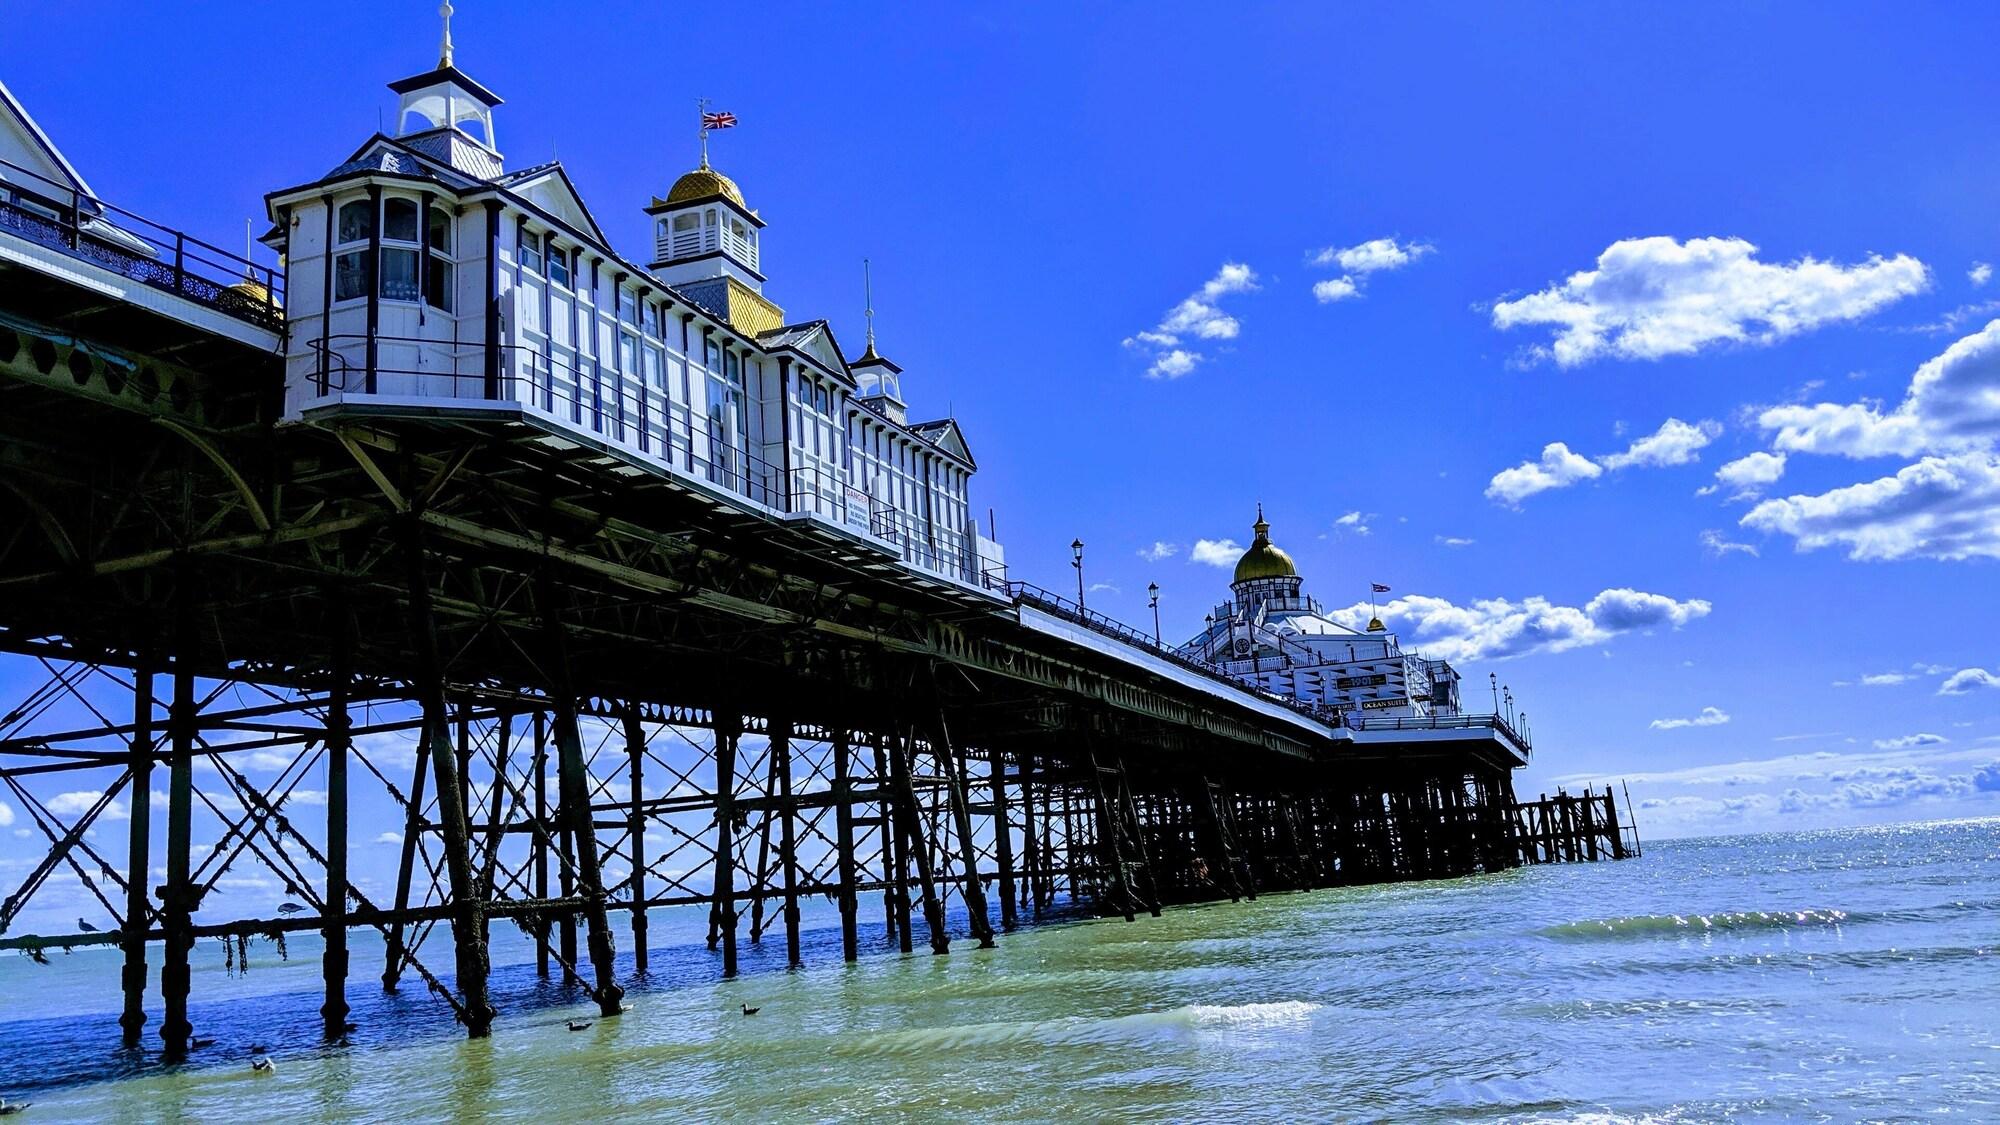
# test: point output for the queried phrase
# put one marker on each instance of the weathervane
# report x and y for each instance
(716, 120)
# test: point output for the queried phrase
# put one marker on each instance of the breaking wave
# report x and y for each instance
(1652, 925)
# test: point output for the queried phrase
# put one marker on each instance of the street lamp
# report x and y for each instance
(1076, 560)
(1493, 681)
(1153, 591)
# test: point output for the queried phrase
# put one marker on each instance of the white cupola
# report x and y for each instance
(445, 114)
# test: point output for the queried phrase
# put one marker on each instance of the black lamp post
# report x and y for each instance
(1153, 592)
(1076, 560)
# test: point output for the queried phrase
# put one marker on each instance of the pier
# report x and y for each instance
(592, 656)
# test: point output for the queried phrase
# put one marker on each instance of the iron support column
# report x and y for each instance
(138, 866)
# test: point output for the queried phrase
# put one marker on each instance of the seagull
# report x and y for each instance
(8, 1108)
(289, 908)
(198, 1044)
(750, 1011)
(263, 1066)
(577, 1025)
(85, 926)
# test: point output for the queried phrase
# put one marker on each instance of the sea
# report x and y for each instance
(1848, 975)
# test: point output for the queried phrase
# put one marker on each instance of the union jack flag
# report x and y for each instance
(718, 120)
(1379, 588)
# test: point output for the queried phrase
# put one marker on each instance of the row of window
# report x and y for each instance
(415, 252)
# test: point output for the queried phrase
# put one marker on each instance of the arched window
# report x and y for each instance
(686, 222)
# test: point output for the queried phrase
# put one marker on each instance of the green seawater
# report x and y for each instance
(1834, 976)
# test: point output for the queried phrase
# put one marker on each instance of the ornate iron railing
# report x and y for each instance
(61, 218)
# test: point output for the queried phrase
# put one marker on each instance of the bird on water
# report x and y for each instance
(8, 1109)
(198, 1044)
(750, 1011)
(577, 1025)
(263, 1066)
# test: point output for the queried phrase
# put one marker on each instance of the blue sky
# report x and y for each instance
(1600, 219)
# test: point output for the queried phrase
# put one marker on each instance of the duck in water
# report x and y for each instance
(8, 1109)
(750, 1011)
(263, 1066)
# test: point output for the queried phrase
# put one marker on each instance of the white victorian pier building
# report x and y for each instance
(1273, 635)
(424, 274)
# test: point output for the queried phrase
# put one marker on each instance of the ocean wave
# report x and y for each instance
(1189, 1021)
(1653, 925)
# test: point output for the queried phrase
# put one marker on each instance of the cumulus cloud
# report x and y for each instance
(1709, 717)
(1674, 443)
(1333, 289)
(1952, 405)
(1497, 628)
(6, 814)
(1354, 522)
(1654, 297)
(1377, 255)
(1939, 508)
(1962, 682)
(1979, 274)
(1216, 552)
(1910, 741)
(1717, 546)
(1198, 317)
(1373, 255)
(82, 801)
(1160, 551)
(1747, 475)
(389, 838)
(1558, 468)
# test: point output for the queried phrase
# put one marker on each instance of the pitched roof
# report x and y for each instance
(946, 434)
(40, 140)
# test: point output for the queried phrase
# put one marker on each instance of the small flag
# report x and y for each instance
(1379, 588)
(718, 120)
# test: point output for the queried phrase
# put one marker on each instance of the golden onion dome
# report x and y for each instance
(1263, 560)
(705, 183)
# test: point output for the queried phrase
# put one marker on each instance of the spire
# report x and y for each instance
(868, 308)
(1262, 528)
(444, 45)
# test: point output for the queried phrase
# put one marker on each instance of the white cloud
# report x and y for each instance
(1558, 468)
(1979, 274)
(1940, 508)
(1952, 405)
(1654, 297)
(1885, 679)
(389, 838)
(1335, 289)
(1104, 588)
(1674, 443)
(1199, 317)
(1173, 364)
(1962, 682)
(1355, 522)
(82, 801)
(6, 814)
(1498, 627)
(1750, 473)
(1373, 255)
(1718, 547)
(1910, 741)
(1216, 552)
(1709, 717)
(1160, 551)
(1452, 541)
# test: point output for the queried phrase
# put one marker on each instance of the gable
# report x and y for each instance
(820, 346)
(550, 188)
(25, 146)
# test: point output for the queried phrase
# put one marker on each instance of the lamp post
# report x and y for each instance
(1493, 681)
(1153, 595)
(1076, 560)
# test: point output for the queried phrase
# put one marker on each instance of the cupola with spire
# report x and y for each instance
(446, 115)
(1264, 572)
(878, 382)
(703, 229)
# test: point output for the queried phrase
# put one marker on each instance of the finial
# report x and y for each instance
(1260, 527)
(444, 46)
(868, 302)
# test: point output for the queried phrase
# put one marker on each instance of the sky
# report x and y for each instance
(1648, 354)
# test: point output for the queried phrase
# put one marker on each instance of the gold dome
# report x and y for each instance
(705, 183)
(1263, 560)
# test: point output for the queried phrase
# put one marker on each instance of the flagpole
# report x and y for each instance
(701, 115)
